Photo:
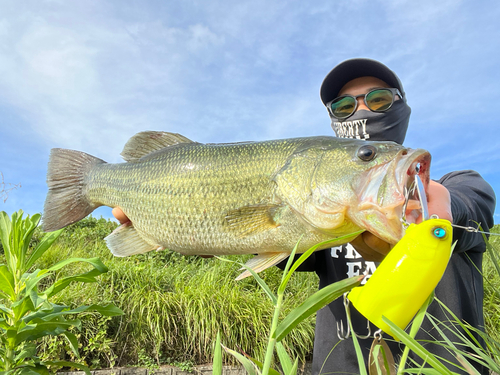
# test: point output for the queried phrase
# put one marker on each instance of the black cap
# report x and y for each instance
(355, 68)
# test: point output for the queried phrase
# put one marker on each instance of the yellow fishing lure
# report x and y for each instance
(407, 276)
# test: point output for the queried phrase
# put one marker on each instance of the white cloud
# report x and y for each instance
(72, 83)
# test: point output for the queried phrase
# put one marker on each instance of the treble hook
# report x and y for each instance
(340, 333)
(345, 335)
(408, 191)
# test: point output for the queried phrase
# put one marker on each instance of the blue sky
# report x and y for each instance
(88, 75)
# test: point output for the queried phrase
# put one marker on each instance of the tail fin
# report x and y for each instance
(66, 201)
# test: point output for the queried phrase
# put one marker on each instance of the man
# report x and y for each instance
(462, 197)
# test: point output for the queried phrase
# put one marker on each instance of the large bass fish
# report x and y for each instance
(237, 198)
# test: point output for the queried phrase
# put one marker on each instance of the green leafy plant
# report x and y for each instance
(144, 360)
(184, 366)
(175, 304)
(26, 312)
(94, 343)
(281, 327)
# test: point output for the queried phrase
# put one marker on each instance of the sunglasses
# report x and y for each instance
(377, 100)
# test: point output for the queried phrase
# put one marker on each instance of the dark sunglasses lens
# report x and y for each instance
(379, 100)
(343, 107)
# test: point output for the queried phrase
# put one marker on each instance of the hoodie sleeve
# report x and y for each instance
(472, 201)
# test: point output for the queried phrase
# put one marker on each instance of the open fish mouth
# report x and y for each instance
(388, 198)
(412, 208)
(416, 177)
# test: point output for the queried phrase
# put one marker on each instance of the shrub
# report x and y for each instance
(27, 312)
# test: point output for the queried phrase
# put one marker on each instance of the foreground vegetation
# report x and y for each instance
(175, 305)
(491, 274)
(27, 311)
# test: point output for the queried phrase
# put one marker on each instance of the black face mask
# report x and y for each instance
(376, 126)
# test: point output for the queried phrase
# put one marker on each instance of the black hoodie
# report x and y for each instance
(460, 289)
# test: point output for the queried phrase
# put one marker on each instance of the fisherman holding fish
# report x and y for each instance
(366, 100)
(261, 197)
(351, 93)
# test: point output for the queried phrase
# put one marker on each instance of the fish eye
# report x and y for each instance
(439, 232)
(367, 152)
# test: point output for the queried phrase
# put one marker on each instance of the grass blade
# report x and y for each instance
(250, 367)
(295, 366)
(357, 347)
(458, 353)
(417, 322)
(289, 264)
(285, 360)
(417, 348)
(315, 302)
(217, 361)
(257, 278)
(306, 255)
(468, 340)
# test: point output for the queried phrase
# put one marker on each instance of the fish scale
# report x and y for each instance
(190, 202)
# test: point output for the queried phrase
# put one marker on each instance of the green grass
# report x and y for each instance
(492, 289)
(174, 305)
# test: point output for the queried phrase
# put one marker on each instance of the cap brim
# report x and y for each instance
(354, 68)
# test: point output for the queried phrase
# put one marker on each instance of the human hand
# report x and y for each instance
(120, 215)
(372, 248)
(439, 201)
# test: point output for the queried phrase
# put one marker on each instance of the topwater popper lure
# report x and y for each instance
(407, 275)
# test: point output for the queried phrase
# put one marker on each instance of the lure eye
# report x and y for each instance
(439, 232)
(367, 152)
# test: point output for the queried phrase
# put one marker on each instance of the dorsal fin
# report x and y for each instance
(144, 143)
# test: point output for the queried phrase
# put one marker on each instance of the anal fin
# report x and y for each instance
(125, 241)
(261, 262)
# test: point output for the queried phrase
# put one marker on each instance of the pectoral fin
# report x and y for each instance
(254, 218)
(125, 241)
(261, 262)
